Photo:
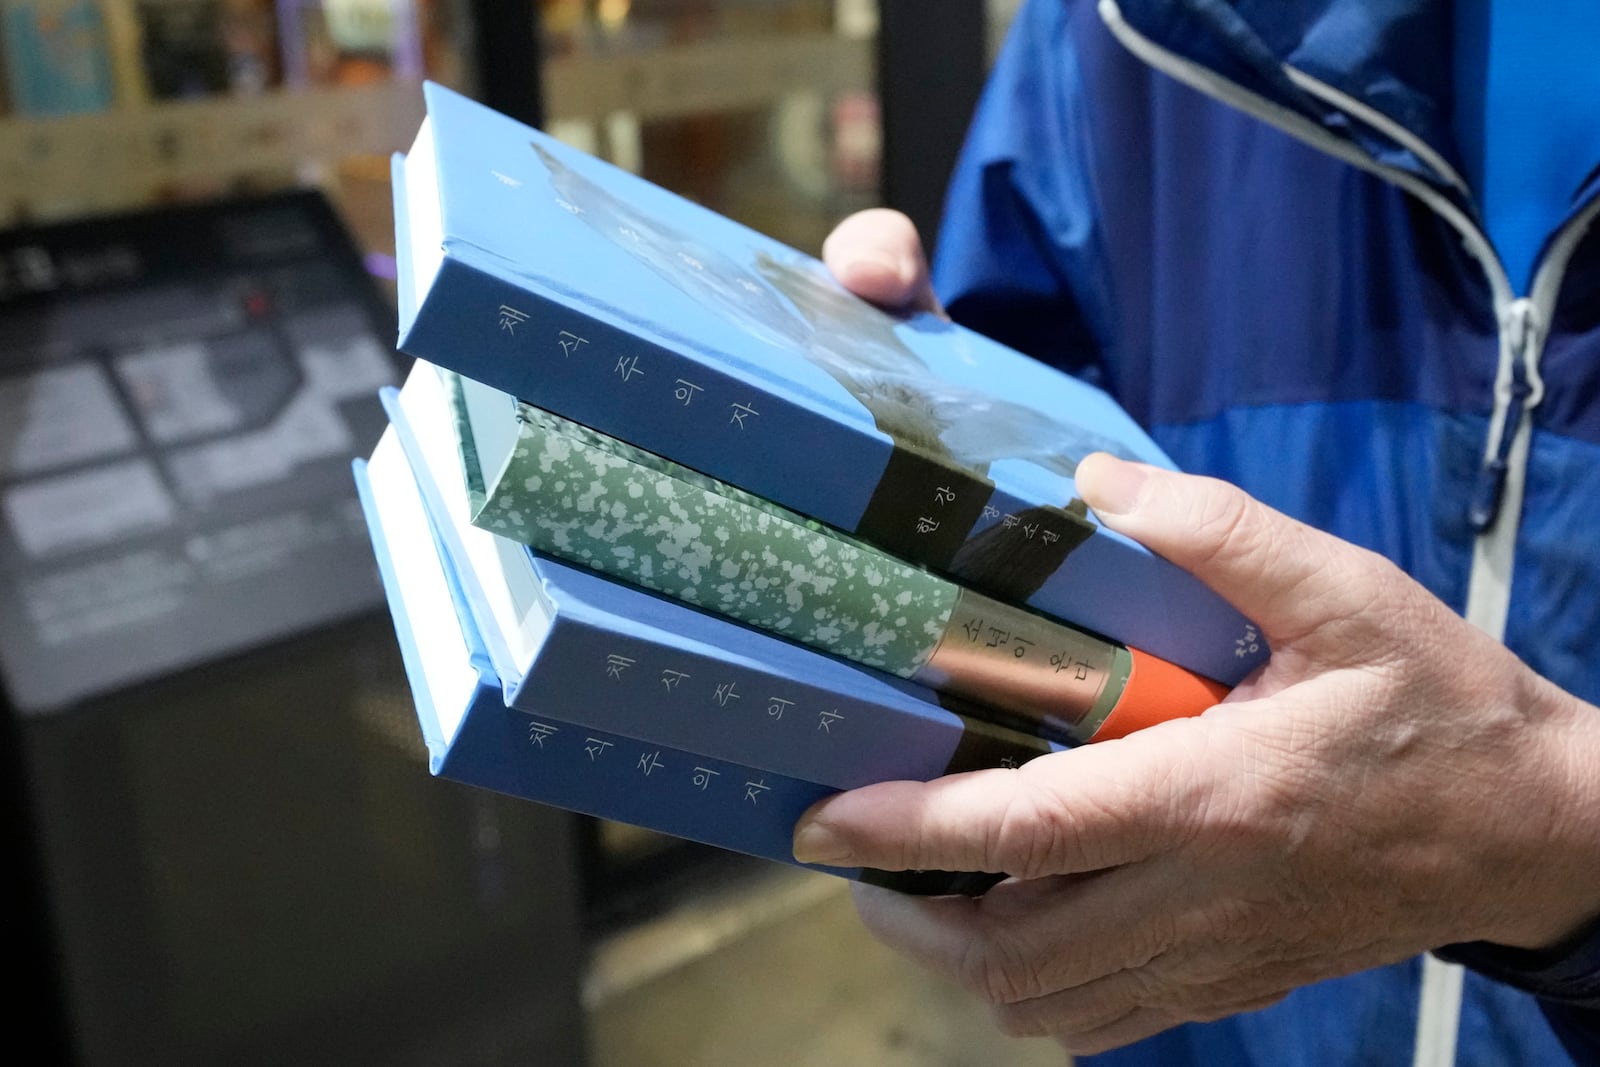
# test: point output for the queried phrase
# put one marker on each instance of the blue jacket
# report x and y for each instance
(1245, 219)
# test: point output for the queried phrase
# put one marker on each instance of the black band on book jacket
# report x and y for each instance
(933, 883)
(921, 509)
(1011, 559)
(983, 746)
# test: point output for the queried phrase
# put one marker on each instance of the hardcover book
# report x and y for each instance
(578, 494)
(652, 668)
(595, 295)
(583, 729)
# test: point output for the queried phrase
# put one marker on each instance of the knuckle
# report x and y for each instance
(999, 971)
(1223, 1010)
(963, 843)
(1147, 987)
(1020, 1020)
(1026, 840)
(1226, 525)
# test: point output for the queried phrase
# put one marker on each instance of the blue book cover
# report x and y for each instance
(551, 275)
(474, 738)
(656, 669)
(57, 60)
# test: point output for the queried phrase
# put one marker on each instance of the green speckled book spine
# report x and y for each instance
(590, 499)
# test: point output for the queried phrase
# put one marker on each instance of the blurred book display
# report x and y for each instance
(197, 48)
(764, 112)
(212, 756)
(115, 105)
(350, 42)
(585, 293)
(182, 49)
(57, 57)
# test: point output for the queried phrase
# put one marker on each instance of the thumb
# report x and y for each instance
(877, 255)
(1065, 813)
(1278, 571)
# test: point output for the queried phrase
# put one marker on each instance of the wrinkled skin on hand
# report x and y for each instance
(1391, 781)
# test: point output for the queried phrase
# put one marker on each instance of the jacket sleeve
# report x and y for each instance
(1018, 256)
(1565, 979)
(1022, 258)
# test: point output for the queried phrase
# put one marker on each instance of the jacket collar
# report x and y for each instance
(1375, 73)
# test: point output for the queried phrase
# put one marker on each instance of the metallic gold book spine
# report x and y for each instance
(1050, 679)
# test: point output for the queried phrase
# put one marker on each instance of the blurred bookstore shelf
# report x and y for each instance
(765, 111)
(98, 162)
(768, 111)
(114, 105)
(745, 73)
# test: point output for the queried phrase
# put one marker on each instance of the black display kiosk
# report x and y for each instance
(219, 813)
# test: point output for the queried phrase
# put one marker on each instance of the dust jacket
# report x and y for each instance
(591, 293)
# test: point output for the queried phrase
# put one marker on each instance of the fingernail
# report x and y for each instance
(876, 259)
(1109, 485)
(815, 843)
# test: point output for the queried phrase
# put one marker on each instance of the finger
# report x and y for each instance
(1070, 1011)
(931, 931)
(1139, 1024)
(1096, 1006)
(877, 255)
(1136, 1025)
(1286, 576)
(1119, 1011)
(1062, 957)
(1027, 940)
(1085, 810)
(1019, 943)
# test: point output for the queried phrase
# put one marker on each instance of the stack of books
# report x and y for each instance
(677, 532)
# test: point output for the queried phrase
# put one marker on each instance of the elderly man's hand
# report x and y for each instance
(1391, 781)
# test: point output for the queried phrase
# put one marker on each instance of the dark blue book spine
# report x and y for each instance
(553, 761)
(758, 714)
(683, 794)
(590, 371)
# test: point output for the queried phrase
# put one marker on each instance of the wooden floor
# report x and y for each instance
(780, 972)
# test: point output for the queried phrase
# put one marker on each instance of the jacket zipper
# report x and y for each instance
(1496, 499)
(1518, 362)
(1497, 502)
